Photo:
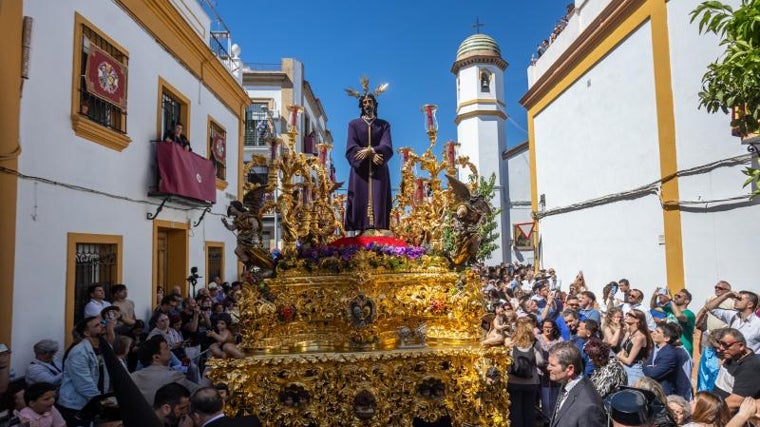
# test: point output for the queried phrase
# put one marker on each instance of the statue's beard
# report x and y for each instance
(369, 111)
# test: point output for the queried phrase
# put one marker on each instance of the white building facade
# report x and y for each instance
(86, 164)
(481, 123)
(521, 238)
(629, 178)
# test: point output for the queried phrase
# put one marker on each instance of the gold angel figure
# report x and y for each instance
(470, 213)
(246, 220)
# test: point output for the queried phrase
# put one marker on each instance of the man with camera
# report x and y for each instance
(195, 323)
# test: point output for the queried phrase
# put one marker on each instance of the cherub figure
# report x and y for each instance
(247, 222)
(471, 211)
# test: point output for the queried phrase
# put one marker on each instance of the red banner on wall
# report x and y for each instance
(106, 77)
(185, 173)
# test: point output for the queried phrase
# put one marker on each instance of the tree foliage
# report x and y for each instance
(489, 236)
(733, 80)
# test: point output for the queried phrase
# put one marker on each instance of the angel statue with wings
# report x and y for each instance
(471, 212)
(246, 220)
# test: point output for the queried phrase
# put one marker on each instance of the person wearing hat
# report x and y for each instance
(578, 403)
(631, 407)
(44, 367)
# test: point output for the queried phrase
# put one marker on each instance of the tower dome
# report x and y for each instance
(478, 45)
(478, 48)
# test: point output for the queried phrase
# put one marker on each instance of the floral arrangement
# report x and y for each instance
(342, 258)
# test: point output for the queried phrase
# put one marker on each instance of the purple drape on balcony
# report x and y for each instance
(185, 173)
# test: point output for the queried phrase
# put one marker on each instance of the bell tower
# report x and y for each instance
(481, 123)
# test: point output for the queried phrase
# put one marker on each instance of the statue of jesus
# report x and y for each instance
(368, 150)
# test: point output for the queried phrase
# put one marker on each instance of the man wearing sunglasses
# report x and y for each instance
(739, 377)
(742, 317)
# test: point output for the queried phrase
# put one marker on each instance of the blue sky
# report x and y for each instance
(409, 44)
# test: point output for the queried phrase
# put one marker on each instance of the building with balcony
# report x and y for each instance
(89, 91)
(273, 88)
(628, 177)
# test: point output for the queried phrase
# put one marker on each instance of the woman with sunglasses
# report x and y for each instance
(636, 345)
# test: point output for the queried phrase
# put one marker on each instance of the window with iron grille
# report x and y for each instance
(97, 108)
(94, 264)
(219, 158)
(256, 125)
(214, 256)
(171, 112)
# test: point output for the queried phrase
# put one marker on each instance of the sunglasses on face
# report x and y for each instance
(718, 288)
(726, 345)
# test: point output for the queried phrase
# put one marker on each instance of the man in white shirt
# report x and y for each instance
(97, 301)
(742, 317)
(555, 283)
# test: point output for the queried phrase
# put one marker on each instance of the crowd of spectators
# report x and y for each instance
(558, 27)
(623, 345)
(164, 359)
(578, 359)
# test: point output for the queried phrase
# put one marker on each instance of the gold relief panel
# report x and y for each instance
(370, 388)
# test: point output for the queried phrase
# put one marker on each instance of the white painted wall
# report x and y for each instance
(597, 132)
(518, 166)
(51, 151)
(720, 238)
(595, 140)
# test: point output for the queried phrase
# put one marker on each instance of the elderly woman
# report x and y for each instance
(680, 408)
(44, 367)
(663, 417)
(608, 372)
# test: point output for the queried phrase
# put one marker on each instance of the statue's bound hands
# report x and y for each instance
(377, 159)
(364, 153)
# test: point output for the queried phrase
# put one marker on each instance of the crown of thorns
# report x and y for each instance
(365, 87)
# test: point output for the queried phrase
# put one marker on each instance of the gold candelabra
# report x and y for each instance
(303, 199)
(422, 205)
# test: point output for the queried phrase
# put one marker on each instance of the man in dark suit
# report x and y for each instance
(207, 410)
(663, 364)
(578, 404)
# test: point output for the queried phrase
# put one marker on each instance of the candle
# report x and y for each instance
(293, 115)
(429, 117)
(419, 190)
(322, 154)
(450, 153)
(274, 148)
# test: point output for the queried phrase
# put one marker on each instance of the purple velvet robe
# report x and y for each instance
(358, 182)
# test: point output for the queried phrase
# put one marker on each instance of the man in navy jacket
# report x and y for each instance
(663, 364)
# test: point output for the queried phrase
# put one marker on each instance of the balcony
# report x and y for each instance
(183, 177)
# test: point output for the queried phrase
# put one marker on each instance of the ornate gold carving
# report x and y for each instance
(375, 388)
